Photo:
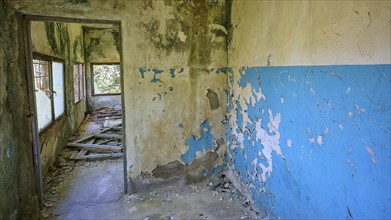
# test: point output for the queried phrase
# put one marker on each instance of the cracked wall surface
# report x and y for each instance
(17, 191)
(185, 127)
(332, 131)
(185, 41)
(308, 138)
(175, 53)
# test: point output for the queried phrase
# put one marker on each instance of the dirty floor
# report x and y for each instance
(94, 190)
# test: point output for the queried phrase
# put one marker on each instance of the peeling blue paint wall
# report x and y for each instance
(312, 141)
(196, 144)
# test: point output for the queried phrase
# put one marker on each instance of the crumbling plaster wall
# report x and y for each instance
(183, 44)
(309, 107)
(102, 46)
(177, 49)
(61, 40)
(17, 184)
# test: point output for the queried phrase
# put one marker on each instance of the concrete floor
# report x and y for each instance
(94, 190)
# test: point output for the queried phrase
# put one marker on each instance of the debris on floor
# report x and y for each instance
(105, 115)
(94, 190)
(60, 179)
(80, 187)
(104, 143)
(224, 185)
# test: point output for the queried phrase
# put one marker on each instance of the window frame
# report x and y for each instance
(50, 60)
(92, 78)
(82, 90)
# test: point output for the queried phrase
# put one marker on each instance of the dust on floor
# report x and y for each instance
(94, 190)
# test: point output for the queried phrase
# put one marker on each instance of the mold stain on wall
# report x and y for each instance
(57, 36)
(179, 50)
(59, 40)
(102, 46)
(198, 150)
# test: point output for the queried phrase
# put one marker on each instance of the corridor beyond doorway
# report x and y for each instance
(94, 190)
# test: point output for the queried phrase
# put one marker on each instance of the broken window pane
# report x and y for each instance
(78, 81)
(58, 88)
(41, 75)
(106, 79)
(42, 92)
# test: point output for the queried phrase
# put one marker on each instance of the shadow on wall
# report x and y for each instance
(312, 142)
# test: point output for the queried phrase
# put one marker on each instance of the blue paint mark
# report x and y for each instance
(156, 71)
(199, 144)
(142, 72)
(172, 73)
(224, 70)
(349, 107)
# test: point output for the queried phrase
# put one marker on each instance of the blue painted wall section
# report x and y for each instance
(155, 72)
(199, 144)
(312, 141)
(173, 72)
(142, 72)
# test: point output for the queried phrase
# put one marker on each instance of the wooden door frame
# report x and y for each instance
(26, 22)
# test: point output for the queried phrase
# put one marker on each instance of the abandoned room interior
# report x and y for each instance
(195, 109)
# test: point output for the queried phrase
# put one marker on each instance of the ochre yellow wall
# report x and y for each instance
(310, 33)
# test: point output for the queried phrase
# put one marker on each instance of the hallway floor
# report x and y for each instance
(94, 190)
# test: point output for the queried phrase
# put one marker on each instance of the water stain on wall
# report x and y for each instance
(213, 99)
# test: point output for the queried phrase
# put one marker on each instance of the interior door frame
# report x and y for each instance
(26, 22)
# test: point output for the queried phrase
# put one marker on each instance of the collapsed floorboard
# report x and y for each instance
(97, 156)
(95, 147)
(105, 144)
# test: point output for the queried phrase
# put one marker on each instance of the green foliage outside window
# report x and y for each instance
(106, 79)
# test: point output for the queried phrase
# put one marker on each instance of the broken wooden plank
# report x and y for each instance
(110, 115)
(100, 156)
(92, 141)
(81, 153)
(91, 136)
(109, 136)
(85, 138)
(104, 141)
(73, 156)
(95, 147)
(116, 128)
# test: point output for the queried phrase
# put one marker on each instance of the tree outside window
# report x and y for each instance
(106, 79)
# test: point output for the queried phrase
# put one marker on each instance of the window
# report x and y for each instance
(105, 79)
(49, 90)
(78, 81)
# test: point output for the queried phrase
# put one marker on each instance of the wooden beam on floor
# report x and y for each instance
(108, 136)
(91, 136)
(100, 156)
(95, 147)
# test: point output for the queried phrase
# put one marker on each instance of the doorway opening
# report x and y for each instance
(75, 84)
